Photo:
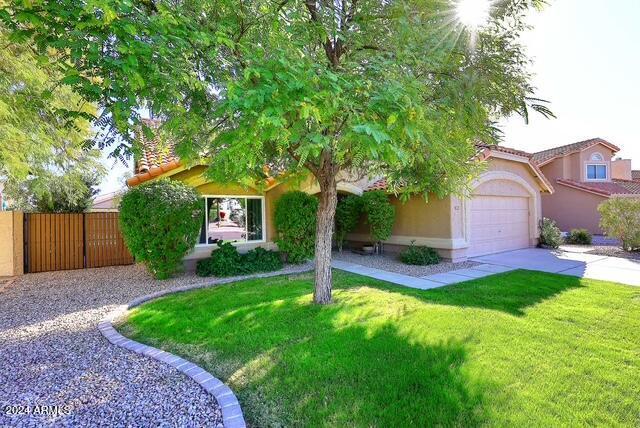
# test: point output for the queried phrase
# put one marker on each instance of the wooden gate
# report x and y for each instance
(73, 241)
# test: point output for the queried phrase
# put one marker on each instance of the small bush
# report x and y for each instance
(261, 260)
(419, 255)
(347, 215)
(226, 261)
(550, 235)
(160, 222)
(620, 218)
(579, 237)
(379, 213)
(295, 221)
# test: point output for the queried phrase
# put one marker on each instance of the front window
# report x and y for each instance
(596, 172)
(234, 219)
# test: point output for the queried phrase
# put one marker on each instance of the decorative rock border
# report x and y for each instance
(232, 416)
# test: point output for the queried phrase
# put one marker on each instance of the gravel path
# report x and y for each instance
(53, 355)
(390, 262)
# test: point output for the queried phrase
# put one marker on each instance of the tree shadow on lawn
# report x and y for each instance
(510, 292)
(296, 364)
(366, 360)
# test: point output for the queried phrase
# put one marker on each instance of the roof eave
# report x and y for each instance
(153, 172)
(546, 184)
(613, 147)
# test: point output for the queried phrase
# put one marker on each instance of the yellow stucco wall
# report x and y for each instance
(418, 218)
(439, 223)
(11, 250)
(194, 177)
(517, 168)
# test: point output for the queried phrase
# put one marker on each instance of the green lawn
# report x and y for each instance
(522, 348)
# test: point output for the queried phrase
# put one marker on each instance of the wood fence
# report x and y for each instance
(73, 241)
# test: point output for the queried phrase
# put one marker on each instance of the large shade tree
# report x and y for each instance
(46, 163)
(398, 88)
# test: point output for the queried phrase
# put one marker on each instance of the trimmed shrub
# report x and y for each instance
(295, 221)
(379, 214)
(226, 261)
(419, 255)
(348, 213)
(160, 223)
(620, 218)
(261, 260)
(550, 235)
(579, 237)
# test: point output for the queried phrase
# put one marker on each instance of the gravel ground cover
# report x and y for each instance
(608, 250)
(391, 263)
(53, 355)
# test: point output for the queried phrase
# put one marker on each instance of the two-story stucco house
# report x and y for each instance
(584, 175)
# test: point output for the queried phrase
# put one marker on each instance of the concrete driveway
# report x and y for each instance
(569, 263)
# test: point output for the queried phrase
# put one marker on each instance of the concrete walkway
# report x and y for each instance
(574, 263)
(425, 282)
(578, 264)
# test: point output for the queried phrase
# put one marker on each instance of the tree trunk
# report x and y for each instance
(324, 234)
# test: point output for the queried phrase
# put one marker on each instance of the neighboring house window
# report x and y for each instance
(596, 172)
(234, 219)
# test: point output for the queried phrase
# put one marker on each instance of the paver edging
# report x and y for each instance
(232, 416)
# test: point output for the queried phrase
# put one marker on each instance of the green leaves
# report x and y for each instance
(160, 223)
(385, 88)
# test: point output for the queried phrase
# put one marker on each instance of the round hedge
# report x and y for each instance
(160, 223)
(380, 214)
(295, 219)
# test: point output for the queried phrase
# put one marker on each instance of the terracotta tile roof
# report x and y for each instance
(633, 187)
(635, 175)
(504, 149)
(154, 152)
(605, 188)
(547, 155)
(379, 184)
(484, 152)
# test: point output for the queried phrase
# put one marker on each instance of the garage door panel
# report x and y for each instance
(498, 223)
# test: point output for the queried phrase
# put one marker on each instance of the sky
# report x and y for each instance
(586, 57)
(586, 60)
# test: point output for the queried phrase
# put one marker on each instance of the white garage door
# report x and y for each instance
(498, 223)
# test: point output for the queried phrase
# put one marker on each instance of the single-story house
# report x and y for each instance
(584, 175)
(502, 213)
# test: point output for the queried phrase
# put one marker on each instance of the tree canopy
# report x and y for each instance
(46, 162)
(396, 88)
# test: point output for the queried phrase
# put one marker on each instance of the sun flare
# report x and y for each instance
(473, 13)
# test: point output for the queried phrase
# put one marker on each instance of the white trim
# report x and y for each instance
(509, 156)
(599, 156)
(264, 219)
(596, 164)
(439, 243)
(535, 204)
